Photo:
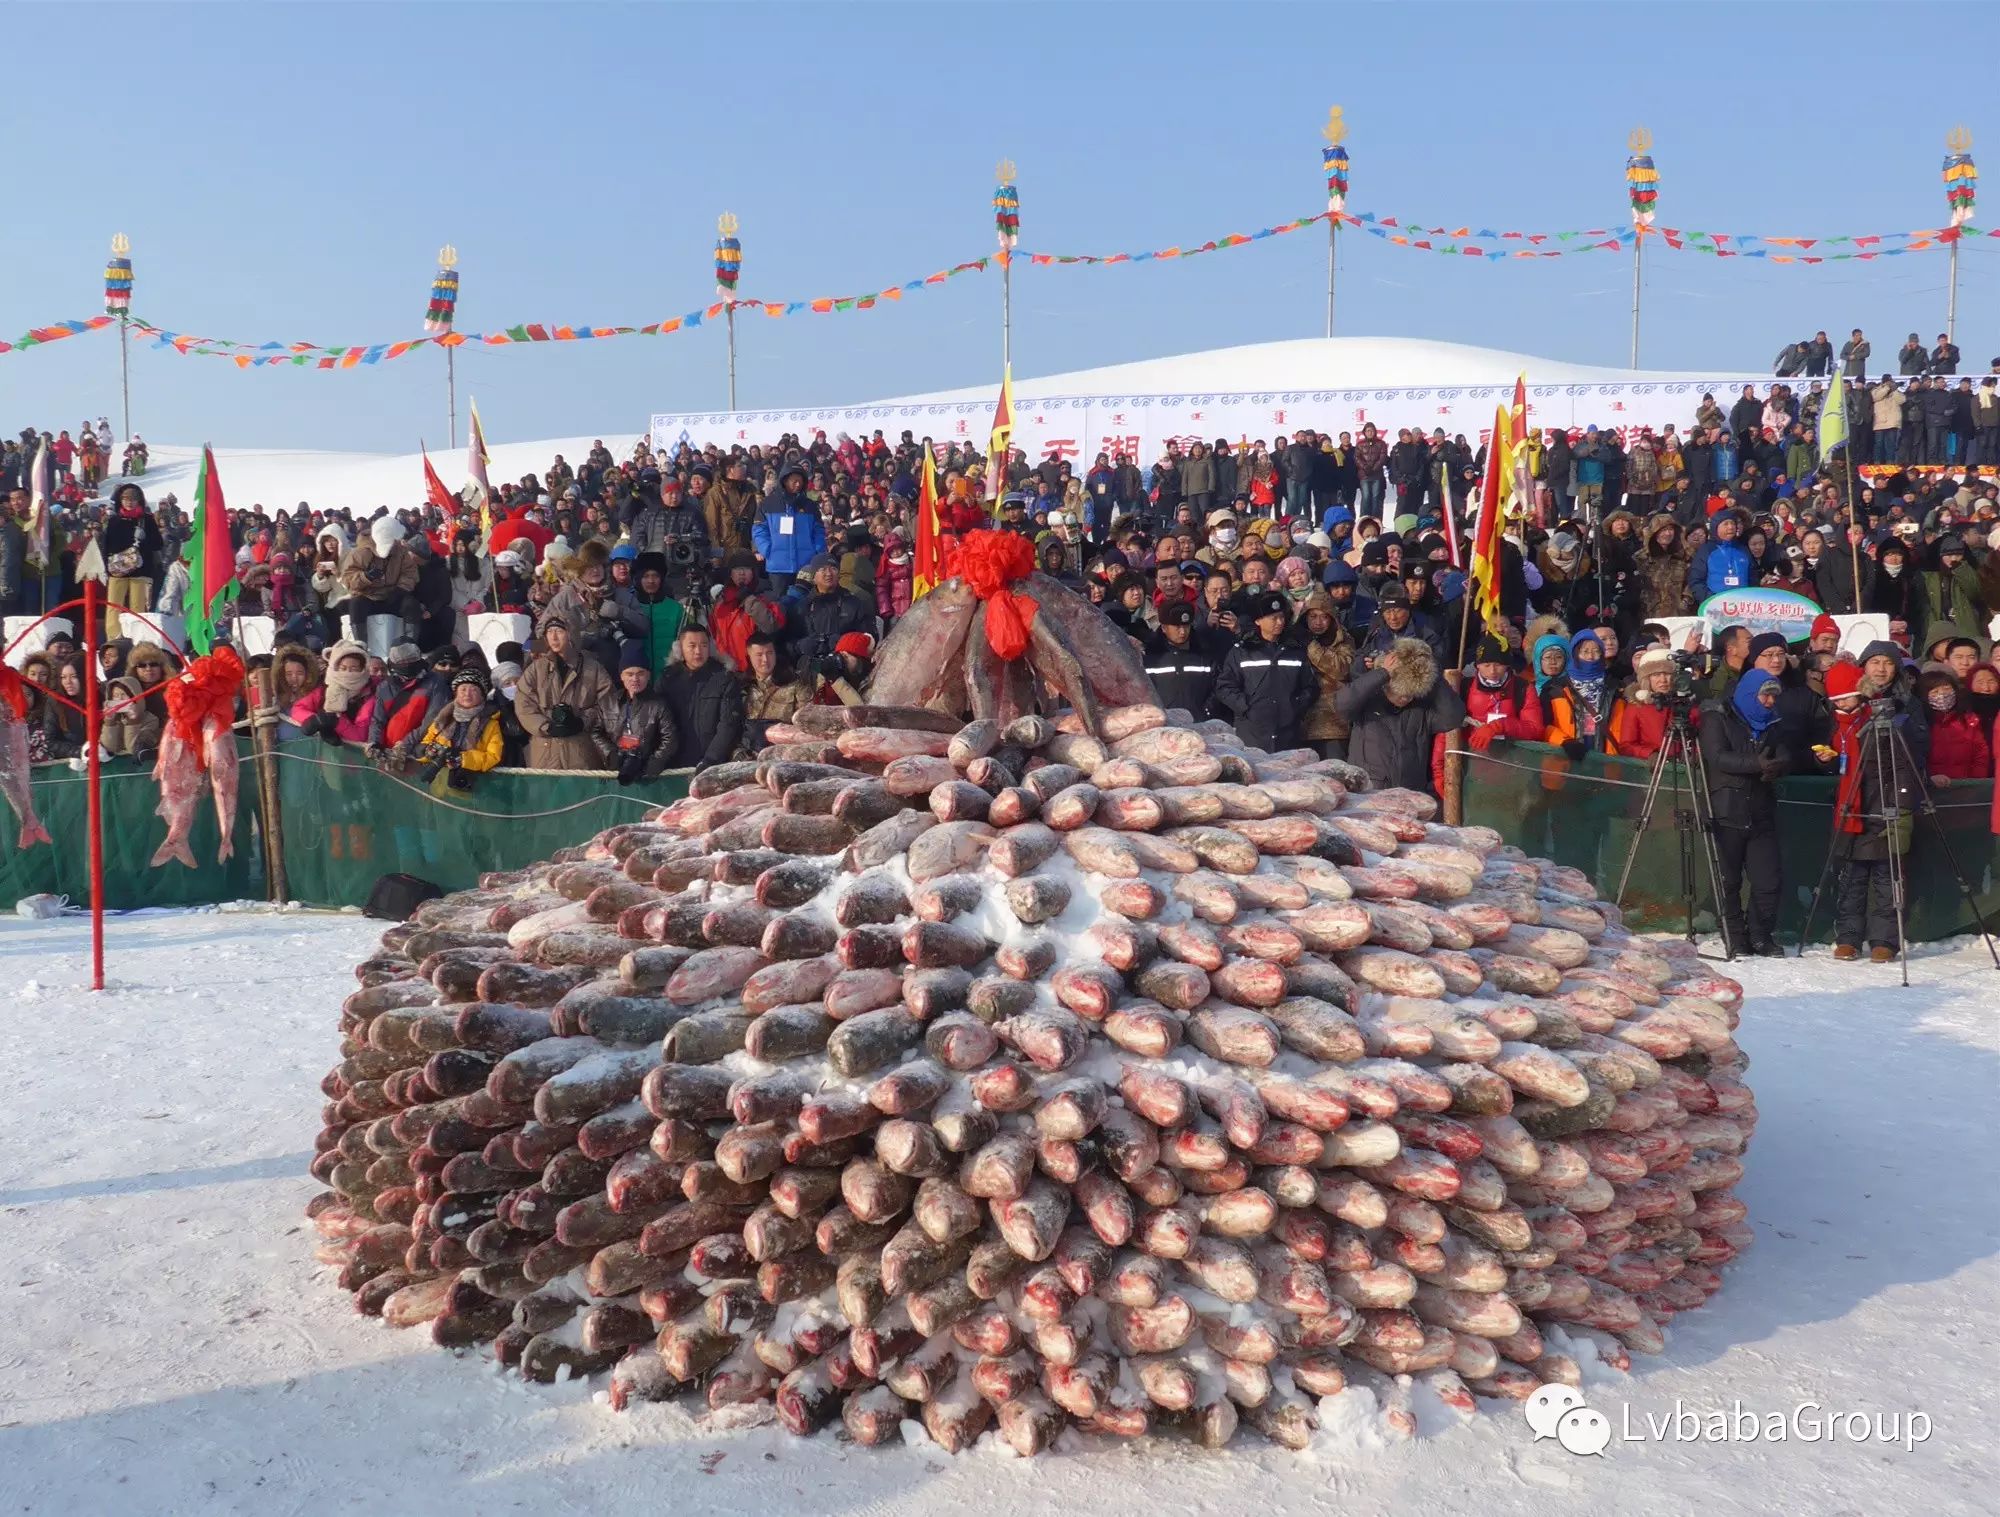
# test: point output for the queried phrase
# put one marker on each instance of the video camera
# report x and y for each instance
(1684, 692)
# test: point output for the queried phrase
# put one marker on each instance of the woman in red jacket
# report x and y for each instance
(1499, 704)
(1639, 715)
(1960, 749)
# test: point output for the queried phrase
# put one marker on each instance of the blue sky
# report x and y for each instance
(288, 172)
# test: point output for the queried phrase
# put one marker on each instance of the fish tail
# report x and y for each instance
(33, 832)
(174, 848)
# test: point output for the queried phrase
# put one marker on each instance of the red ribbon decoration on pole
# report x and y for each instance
(207, 687)
(989, 562)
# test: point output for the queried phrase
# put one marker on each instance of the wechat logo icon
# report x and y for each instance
(1558, 1412)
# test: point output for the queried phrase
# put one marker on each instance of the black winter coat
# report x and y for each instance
(1185, 676)
(642, 728)
(141, 532)
(705, 706)
(1265, 690)
(824, 620)
(1393, 743)
(1738, 794)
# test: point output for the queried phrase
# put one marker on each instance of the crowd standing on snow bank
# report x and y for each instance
(1298, 587)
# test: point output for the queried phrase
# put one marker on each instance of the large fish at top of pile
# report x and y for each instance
(1003, 1076)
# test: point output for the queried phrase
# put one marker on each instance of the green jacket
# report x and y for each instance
(1954, 597)
(663, 625)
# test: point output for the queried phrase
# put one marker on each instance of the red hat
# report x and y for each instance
(1824, 623)
(860, 644)
(1844, 678)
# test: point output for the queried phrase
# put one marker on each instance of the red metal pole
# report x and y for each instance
(93, 726)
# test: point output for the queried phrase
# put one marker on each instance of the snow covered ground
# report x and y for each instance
(168, 1345)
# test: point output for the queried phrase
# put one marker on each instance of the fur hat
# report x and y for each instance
(594, 554)
(1415, 672)
(385, 532)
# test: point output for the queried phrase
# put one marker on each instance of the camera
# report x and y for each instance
(682, 555)
(1687, 670)
(430, 769)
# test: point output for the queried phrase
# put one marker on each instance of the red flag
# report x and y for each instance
(434, 490)
(210, 559)
(927, 572)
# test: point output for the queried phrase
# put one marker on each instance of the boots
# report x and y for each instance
(1881, 954)
(1847, 953)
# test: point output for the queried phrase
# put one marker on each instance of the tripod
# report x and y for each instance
(1692, 819)
(1888, 751)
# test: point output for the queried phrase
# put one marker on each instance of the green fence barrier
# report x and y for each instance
(1586, 813)
(347, 823)
(132, 831)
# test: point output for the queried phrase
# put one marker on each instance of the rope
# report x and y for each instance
(1577, 776)
(504, 816)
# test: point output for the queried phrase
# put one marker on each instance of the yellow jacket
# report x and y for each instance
(476, 740)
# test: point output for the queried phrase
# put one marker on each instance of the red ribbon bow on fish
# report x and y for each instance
(206, 687)
(14, 691)
(989, 562)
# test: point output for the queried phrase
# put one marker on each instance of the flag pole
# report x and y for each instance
(728, 269)
(1961, 181)
(1007, 226)
(1854, 518)
(93, 733)
(437, 320)
(1333, 158)
(451, 391)
(1642, 185)
(121, 248)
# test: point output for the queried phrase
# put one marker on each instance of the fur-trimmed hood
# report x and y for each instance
(1416, 671)
(315, 669)
(1544, 626)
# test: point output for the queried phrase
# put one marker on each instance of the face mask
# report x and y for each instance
(1225, 537)
(1893, 568)
(1941, 700)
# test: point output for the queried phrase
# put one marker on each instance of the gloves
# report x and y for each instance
(311, 725)
(561, 722)
(607, 610)
(629, 769)
(1771, 768)
(373, 753)
(1576, 748)
(828, 668)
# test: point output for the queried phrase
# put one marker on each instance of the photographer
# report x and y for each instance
(656, 519)
(1744, 763)
(634, 730)
(462, 740)
(597, 617)
(1863, 840)
(405, 698)
(557, 693)
(1639, 716)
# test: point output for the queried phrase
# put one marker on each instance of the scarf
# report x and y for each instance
(1755, 714)
(1587, 678)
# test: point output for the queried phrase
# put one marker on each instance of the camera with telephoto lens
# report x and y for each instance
(682, 555)
(431, 768)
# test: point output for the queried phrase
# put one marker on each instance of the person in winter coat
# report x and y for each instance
(633, 728)
(1863, 840)
(295, 678)
(559, 692)
(1960, 746)
(1394, 620)
(463, 738)
(1832, 569)
(826, 616)
(1744, 763)
(343, 707)
(788, 534)
(587, 603)
(1664, 581)
(729, 506)
(1500, 705)
(706, 701)
(657, 518)
(1576, 703)
(741, 611)
(1266, 686)
(405, 699)
(380, 577)
(895, 576)
(1951, 589)
(132, 548)
(1896, 591)
(1722, 563)
(1183, 659)
(772, 693)
(470, 573)
(1640, 715)
(1329, 648)
(1397, 710)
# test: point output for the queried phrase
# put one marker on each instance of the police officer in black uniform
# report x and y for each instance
(1266, 686)
(1182, 660)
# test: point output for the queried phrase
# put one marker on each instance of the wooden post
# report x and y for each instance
(263, 721)
(93, 734)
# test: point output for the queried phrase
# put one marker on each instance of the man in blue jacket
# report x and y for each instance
(1722, 563)
(788, 534)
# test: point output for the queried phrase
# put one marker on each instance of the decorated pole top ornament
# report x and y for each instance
(1961, 175)
(1006, 205)
(118, 277)
(1642, 180)
(1333, 158)
(728, 255)
(444, 292)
